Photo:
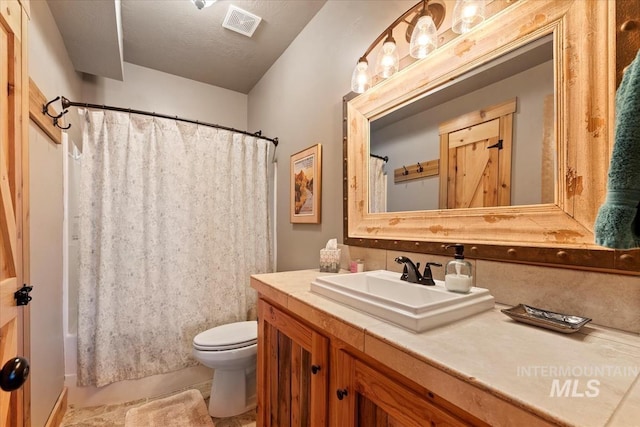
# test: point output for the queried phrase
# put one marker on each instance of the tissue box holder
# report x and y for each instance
(330, 260)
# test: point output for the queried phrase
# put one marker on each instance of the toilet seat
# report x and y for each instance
(224, 347)
(227, 337)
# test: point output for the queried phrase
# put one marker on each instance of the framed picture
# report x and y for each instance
(306, 180)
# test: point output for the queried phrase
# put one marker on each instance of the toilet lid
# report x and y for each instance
(228, 337)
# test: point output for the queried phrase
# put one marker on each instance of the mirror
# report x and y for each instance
(558, 232)
(412, 135)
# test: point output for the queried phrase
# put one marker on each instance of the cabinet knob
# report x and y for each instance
(342, 393)
(315, 369)
(630, 25)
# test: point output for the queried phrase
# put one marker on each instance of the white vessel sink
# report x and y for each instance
(418, 308)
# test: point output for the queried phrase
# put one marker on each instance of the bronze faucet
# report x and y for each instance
(411, 271)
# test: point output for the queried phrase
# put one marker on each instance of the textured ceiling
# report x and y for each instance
(175, 37)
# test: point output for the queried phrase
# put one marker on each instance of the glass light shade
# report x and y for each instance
(203, 3)
(467, 14)
(361, 78)
(388, 59)
(424, 38)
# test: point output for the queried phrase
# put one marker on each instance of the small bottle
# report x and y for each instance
(458, 276)
(356, 266)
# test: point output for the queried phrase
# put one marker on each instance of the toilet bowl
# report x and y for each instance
(231, 351)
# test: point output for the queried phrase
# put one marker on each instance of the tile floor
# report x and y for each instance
(113, 415)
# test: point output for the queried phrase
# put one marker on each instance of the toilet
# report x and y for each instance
(231, 350)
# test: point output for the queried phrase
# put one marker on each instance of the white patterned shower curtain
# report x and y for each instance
(377, 186)
(174, 218)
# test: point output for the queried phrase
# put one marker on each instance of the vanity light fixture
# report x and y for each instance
(200, 4)
(466, 15)
(423, 20)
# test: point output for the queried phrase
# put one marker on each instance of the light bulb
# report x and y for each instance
(361, 79)
(467, 14)
(424, 38)
(388, 59)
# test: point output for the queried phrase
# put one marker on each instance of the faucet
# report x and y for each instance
(411, 271)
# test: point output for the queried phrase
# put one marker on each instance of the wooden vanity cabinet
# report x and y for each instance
(366, 397)
(293, 371)
(308, 379)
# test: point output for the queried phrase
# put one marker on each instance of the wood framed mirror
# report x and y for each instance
(584, 80)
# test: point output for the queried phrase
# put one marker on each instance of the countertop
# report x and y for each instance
(502, 371)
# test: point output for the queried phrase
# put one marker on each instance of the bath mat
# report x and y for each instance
(186, 409)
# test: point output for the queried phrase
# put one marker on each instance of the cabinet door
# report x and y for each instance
(369, 398)
(292, 371)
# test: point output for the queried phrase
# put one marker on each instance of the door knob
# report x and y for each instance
(14, 373)
(315, 369)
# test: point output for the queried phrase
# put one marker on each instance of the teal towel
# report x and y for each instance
(618, 222)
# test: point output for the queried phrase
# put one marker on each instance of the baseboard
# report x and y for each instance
(55, 418)
(143, 388)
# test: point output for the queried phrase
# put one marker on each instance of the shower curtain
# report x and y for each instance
(377, 186)
(173, 220)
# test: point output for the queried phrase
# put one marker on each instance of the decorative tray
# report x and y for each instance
(559, 322)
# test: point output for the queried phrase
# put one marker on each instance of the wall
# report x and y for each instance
(49, 64)
(299, 100)
(150, 90)
(51, 69)
(47, 350)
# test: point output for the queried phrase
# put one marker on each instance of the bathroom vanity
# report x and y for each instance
(322, 363)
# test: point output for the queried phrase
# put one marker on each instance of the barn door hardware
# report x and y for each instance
(497, 145)
(22, 295)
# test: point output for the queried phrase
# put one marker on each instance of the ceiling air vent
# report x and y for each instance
(241, 21)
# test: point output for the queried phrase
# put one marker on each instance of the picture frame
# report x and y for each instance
(306, 185)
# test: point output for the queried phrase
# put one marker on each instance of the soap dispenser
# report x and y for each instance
(458, 276)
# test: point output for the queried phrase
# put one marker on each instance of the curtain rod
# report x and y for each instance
(66, 104)
(385, 158)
